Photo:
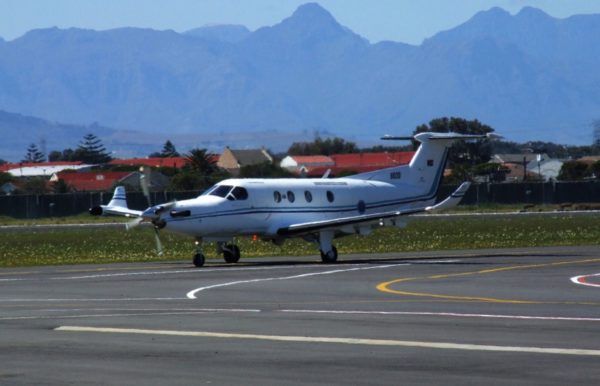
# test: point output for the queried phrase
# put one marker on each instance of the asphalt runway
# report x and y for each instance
(519, 316)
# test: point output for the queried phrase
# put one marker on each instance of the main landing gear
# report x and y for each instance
(329, 252)
(329, 257)
(231, 253)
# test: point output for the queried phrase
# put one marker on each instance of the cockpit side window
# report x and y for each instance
(239, 193)
(220, 190)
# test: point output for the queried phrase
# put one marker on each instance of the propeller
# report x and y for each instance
(152, 214)
(134, 223)
(145, 183)
(159, 246)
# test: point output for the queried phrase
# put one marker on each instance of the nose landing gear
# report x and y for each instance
(199, 256)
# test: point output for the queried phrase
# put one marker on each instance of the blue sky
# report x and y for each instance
(408, 21)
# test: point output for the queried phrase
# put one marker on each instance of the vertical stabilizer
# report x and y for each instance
(118, 199)
(425, 171)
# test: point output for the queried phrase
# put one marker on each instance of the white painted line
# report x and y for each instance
(330, 340)
(582, 280)
(55, 300)
(451, 314)
(115, 315)
(172, 272)
(192, 293)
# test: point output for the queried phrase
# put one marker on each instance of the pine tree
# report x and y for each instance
(92, 151)
(34, 154)
(169, 150)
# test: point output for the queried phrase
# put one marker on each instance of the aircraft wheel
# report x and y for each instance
(231, 253)
(329, 257)
(199, 260)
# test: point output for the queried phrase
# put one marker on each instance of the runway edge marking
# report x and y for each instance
(333, 340)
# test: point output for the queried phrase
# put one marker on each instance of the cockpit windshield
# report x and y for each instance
(220, 190)
(228, 191)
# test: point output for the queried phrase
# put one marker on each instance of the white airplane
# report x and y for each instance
(315, 209)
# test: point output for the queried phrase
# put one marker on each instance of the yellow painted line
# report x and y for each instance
(335, 340)
(385, 286)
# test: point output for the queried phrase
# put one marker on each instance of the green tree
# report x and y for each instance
(595, 169)
(169, 150)
(61, 186)
(6, 177)
(201, 162)
(55, 156)
(264, 170)
(91, 151)
(186, 180)
(323, 147)
(34, 154)
(36, 185)
(573, 171)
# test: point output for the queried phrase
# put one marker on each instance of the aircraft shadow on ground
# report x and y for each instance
(465, 260)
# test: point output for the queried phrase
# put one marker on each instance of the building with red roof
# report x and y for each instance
(99, 181)
(93, 181)
(37, 169)
(155, 162)
(316, 166)
(301, 164)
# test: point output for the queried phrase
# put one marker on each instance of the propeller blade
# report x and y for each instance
(159, 246)
(145, 183)
(133, 223)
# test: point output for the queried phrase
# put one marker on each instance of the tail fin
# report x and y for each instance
(424, 172)
(119, 198)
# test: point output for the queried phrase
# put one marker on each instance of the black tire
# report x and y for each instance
(331, 257)
(231, 254)
(199, 260)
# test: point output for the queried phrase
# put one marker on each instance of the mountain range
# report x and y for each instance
(528, 75)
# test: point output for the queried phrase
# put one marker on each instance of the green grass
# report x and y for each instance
(107, 245)
(83, 218)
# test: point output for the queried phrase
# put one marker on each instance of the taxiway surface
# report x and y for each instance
(467, 317)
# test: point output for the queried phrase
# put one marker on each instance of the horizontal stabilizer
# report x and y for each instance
(452, 200)
(116, 206)
(432, 136)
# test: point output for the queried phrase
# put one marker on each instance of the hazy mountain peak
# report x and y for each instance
(231, 33)
(312, 17)
(492, 13)
(313, 11)
(532, 13)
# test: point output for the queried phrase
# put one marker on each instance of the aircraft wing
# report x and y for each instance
(120, 211)
(314, 226)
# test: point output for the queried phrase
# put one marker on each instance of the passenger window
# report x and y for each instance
(330, 196)
(240, 193)
(290, 196)
(307, 196)
(277, 196)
